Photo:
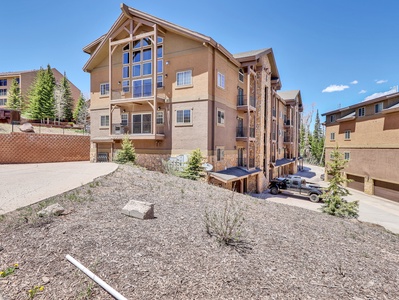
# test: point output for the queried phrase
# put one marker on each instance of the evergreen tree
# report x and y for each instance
(317, 142)
(334, 203)
(302, 137)
(35, 97)
(193, 168)
(48, 101)
(127, 153)
(66, 99)
(80, 112)
(14, 99)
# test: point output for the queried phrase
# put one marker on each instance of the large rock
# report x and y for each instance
(54, 209)
(27, 127)
(139, 210)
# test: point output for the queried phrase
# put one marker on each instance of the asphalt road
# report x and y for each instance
(372, 209)
(24, 184)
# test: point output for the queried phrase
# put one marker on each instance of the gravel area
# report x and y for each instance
(286, 252)
(48, 129)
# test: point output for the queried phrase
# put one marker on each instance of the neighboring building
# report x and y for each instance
(367, 134)
(173, 90)
(25, 80)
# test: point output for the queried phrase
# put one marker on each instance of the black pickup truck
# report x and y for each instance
(297, 186)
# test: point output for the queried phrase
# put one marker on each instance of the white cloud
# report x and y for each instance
(334, 88)
(362, 92)
(354, 82)
(380, 81)
(377, 95)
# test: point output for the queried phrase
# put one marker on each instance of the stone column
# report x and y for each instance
(369, 185)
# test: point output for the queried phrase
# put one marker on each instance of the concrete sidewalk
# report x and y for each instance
(372, 209)
(25, 184)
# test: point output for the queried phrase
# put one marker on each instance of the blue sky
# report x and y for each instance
(336, 52)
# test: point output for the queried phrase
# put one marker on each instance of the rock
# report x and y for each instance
(1, 248)
(27, 127)
(139, 210)
(54, 209)
(45, 279)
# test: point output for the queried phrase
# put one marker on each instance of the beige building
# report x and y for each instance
(25, 80)
(173, 90)
(367, 133)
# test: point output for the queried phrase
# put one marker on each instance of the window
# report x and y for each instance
(347, 135)
(332, 136)
(219, 153)
(241, 75)
(220, 116)
(104, 121)
(124, 119)
(378, 107)
(125, 86)
(221, 80)
(104, 89)
(125, 72)
(361, 112)
(159, 81)
(160, 117)
(184, 78)
(17, 80)
(3, 102)
(142, 123)
(3, 82)
(347, 155)
(332, 118)
(3, 92)
(142, 88)
(183, 117)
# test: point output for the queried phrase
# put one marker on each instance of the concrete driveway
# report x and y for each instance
(25, 184)
(372, 209)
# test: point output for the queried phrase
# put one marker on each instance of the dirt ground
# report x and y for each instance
(7, 128)
(283, 252)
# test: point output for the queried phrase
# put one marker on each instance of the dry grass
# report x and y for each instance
(293, 253)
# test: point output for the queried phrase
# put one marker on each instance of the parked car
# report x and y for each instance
(297, 186)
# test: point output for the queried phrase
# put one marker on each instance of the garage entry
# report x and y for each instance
(357, 183)
(386, 190)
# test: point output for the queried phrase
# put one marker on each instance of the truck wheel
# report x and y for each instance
(314, 198)
(274, 190)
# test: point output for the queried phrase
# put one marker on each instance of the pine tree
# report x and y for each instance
(127, 153)
(66, 99)
(317, 141)
(35, 96)
(14, 99)
(334, 203)
(194, 168)
(48, 101)
(80, 112)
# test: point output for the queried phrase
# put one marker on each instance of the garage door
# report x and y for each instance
(357, 182)
(386, 190)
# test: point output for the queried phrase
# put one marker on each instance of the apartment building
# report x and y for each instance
(173, 90)
(25, 80)
(367, 133)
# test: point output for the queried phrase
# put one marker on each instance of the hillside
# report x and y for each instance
(287, 252)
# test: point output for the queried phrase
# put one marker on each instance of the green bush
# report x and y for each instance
(194, 167)
(127, 153)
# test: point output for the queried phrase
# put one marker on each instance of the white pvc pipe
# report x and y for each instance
(98, 280)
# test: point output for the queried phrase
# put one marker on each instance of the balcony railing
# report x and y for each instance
(242, 162)
(136, 128)
(243, 101)
(274, 113)
(242, 132)
(137, 92)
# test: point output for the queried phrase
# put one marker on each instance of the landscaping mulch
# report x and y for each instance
(284, 252)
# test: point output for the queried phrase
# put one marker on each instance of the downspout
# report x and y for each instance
(213, 100)
(154, 61)
(248, 112)
(110, 85)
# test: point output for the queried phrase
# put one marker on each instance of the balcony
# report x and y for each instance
(137, 131)
(140, 93)
(243, 105)
(242, 133)
(288, 123)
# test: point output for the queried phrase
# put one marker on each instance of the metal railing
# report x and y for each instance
(136, 128)
(242, 162)
(243, 101)
(142, 91)
(242, 132)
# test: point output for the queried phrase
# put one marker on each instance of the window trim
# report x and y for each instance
(241, 74)
(332, 118)
(184, 85)
(347, 154)
(106, 121)
(219, 153)
(222, 119)
(184, 123)
(377, 110)
(127, 119)
(141, 114)
(332, 136)
(105, 84)
(4, 101)
(163, 117)
(362, 110)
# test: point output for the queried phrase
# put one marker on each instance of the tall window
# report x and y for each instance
(104, 89)
(221, 82)
(142, 88)
(183, 117)
(3, 92)
(332, 136)
(3, 102)
(126, 68)
(361, 112)
(347, 155)
(142, 123)
(184, 78)
(142, 58)
(3, 82)
(219, 153)
(160, 117)
(378, 107)
(241, 75)
(220, 116)
(124, 119)
(160, 62)
(104, 121)
(332, 118)
(347, 135)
